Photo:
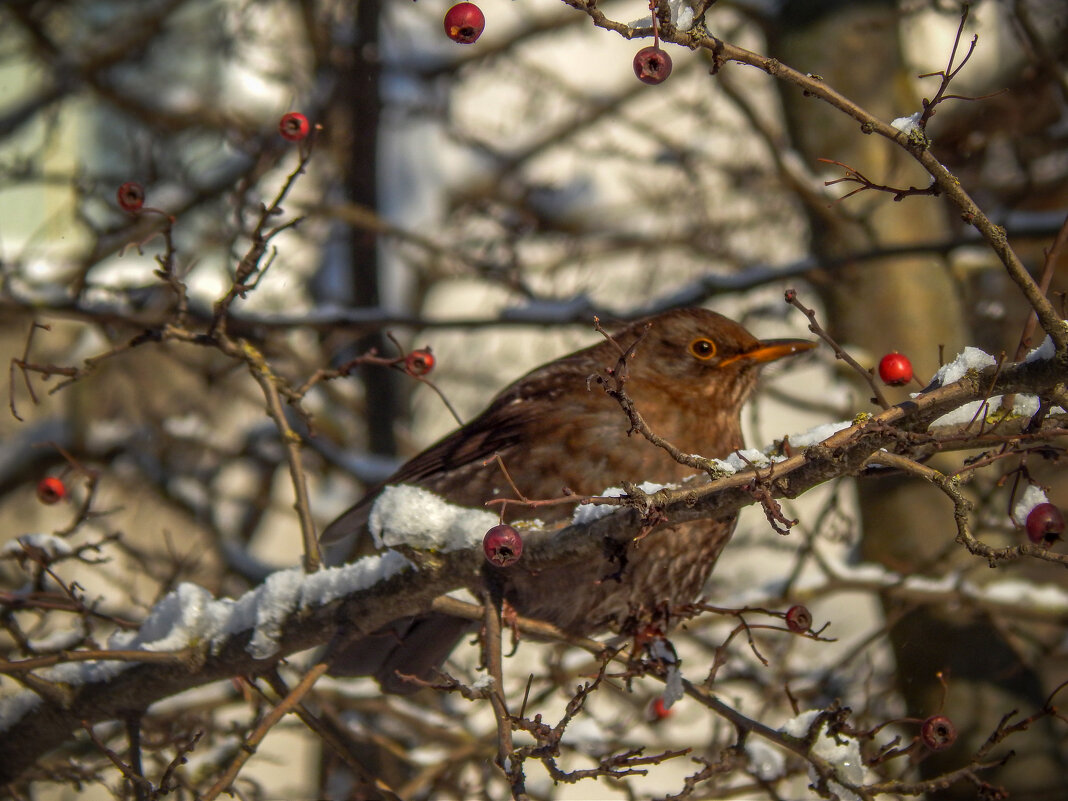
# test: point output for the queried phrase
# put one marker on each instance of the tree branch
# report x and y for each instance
(45, 725)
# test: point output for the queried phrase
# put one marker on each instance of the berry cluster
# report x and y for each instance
(464, 23)
(293, 127)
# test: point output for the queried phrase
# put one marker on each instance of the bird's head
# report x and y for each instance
(699, 351)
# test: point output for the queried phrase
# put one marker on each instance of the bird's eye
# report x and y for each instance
(703, 348)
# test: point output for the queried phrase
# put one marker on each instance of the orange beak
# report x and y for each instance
(770, 350)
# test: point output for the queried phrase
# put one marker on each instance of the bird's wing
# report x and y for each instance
(495, 431)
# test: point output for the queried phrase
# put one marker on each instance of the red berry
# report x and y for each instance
(464, 23)
(293, 126)
(652, 65)
(131, 196)
(50, 490)
(657, 709)
(938, 732)
(419, 362)
(1045, 524)
(502, 545)
(895, 369)
(798, 619)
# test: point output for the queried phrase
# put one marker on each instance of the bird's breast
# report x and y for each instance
(663, 571)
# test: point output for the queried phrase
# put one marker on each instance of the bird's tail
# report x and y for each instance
(411, 646)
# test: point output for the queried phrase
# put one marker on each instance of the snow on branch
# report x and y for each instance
(203, 639)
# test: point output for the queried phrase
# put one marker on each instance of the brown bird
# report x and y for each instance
(689, 375)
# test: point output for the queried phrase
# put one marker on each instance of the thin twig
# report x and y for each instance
(252, 742)
(1053, 256)
(291, 441)
(839, 352)
(491, 644)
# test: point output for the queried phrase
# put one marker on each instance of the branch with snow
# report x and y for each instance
(293, 611)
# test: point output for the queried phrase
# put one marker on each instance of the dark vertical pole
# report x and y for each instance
(361, 108)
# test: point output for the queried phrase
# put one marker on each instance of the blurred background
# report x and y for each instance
(487, 201)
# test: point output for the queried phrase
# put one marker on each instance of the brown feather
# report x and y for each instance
(553, 429)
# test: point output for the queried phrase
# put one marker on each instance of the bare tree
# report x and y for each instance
(234, 242)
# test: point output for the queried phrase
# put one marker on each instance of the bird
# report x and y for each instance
(688, 372)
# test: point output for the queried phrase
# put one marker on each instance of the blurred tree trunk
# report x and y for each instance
(912, 305)
(355, 112)
(357, 109)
